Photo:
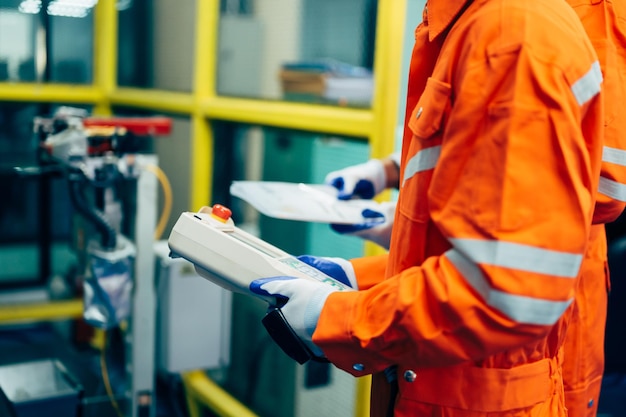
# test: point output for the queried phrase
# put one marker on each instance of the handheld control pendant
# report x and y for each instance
(233, 258)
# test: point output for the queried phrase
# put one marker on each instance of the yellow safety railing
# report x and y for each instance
(203, 105)
(48, 311)
(157, 100)
(301, 116)
(105, 54)
(203, 390)
(66, 93)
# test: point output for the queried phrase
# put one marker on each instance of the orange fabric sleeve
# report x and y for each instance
(369, 270)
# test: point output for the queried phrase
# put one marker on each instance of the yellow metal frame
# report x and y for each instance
(56, 310)
(105, 54)
(203, 390)
(31, 92)
(203, 105)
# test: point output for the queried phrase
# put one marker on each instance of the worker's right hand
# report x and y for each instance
(377, 229)
(337, 268)
(359, 181)
(301, 302)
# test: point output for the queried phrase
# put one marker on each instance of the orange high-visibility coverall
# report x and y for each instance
(583, 366)
(503, 144)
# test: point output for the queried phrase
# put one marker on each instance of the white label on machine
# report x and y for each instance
(233, 258)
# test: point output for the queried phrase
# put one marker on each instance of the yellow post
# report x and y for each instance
(200, 168)
(387, 73)
(105, 54)
(362, 403)
(385, 107)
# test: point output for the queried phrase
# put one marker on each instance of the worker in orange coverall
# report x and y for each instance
(605, 23)
(499, 170)
(584, 348)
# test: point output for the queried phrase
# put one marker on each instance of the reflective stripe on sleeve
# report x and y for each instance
(520, 257)
(522, 309)
(613, 189)
(588, 85)
(468, 253)
(614, 156)
(609, 187)
(423, 160)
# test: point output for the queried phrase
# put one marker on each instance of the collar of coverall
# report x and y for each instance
(439, 14)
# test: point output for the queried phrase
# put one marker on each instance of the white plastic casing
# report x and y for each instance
(233, 258)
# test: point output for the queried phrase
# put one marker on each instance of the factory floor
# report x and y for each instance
(33, 342)
(26, 343)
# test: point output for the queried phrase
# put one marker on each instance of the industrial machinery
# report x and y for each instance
(111, 176)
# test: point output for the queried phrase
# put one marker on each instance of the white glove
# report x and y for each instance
(304, 301)
(359, 181)
(377, 230)
(338, 268)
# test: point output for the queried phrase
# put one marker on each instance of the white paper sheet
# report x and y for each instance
(301, 202)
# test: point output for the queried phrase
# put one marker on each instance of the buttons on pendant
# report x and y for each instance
(358, 367)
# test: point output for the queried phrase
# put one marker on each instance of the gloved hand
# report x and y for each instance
(304, 301)
(378, 230)
(337, 268)
(361, 181)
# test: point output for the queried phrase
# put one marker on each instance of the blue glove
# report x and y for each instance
(359, 181)
(377, 230)
(304, 299)
(338, 268)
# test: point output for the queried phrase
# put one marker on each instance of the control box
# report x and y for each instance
(193, 317)
(233, 258)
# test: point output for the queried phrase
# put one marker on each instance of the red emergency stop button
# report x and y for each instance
(221, 213)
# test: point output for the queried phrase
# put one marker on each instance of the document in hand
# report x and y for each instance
(301, 202)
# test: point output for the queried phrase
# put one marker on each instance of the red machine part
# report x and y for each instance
(140, 126)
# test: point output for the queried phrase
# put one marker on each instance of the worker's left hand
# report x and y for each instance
(377, 229)
(304, 301)
(358, 181)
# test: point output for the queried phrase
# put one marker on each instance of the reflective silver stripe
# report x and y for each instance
(423, 160)
(609, 187)
(522, 309)
(614, 156)
(613, 189)
(519, 256)
(588, 85)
